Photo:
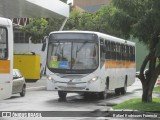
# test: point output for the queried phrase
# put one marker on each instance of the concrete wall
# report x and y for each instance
(24, 48)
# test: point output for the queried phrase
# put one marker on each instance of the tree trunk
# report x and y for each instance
(149, 84)
(147, 93)
(148, 80)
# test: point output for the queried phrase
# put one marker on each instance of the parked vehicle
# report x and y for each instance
(19, 85)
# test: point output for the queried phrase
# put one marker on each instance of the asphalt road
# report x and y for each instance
(38, 99)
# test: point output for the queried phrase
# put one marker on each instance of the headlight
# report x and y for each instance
(49, 78)
(93, 79)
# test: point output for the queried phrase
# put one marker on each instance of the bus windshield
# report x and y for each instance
(72, 57)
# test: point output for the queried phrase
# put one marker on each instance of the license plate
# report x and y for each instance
(71, 85)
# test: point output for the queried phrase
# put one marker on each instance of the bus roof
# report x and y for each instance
(5, 22)
(100, 35)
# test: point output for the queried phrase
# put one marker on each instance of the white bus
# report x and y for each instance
(89, 62)
(6, 58)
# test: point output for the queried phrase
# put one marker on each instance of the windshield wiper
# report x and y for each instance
(77, 50)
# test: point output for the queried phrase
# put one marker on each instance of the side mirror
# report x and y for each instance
(44, 42)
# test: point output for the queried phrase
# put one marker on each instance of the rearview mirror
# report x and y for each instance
(44, 43)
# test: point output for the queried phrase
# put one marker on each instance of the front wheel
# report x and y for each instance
(62, 95)
(103, 94)
(22, 94)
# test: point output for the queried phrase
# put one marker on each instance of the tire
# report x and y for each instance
(118, 91)
(22, 94)
(86, 95)
(124, 89)
(103, 94)
(62, 95)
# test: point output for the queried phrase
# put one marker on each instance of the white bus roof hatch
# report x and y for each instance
(33, 8)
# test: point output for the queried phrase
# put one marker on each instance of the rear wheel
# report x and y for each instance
(22, 94)
(62, 95)
(124, 89)
(103, 95)
(118, 91)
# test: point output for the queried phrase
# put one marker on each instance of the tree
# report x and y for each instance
(37, 28)
(40, 27)
(140, 18)
(97, 21)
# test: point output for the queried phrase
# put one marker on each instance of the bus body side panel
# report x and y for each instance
(6, 65)
(117, 75)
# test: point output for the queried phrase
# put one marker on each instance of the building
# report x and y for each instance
(90, 5)
(20, 10)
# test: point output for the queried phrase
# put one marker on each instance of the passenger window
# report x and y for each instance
(3, 43)
(108, 52)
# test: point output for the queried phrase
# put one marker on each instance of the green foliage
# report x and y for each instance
(54, 24)
(139, 18)
(36, 29)
(92, 21)
(156, 89)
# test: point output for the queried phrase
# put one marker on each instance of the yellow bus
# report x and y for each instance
(6, 58)
(89, 62)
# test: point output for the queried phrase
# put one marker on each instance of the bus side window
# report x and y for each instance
(108, 52)
(133, 54)
(113, 50)
(127, 52)
(118, 52)
(130, 53)
(102, 51)
(3, 43)
(122, 51)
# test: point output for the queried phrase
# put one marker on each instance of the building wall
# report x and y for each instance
(84, 3)
(25, 48)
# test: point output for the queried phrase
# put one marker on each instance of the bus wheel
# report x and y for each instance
(124, 89)
(62, 95)
(103, 94)
(118, 91)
